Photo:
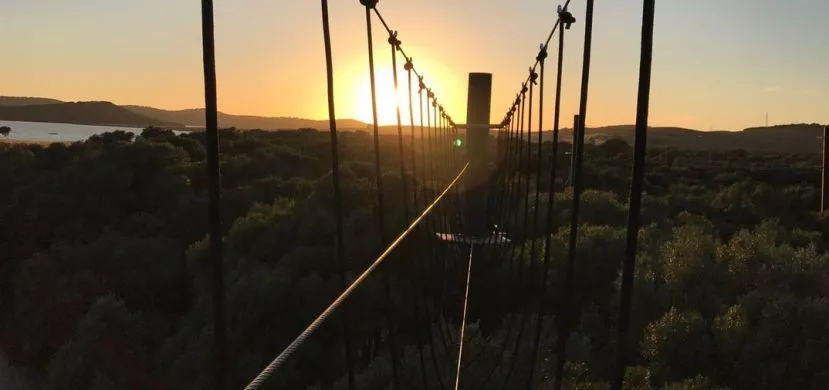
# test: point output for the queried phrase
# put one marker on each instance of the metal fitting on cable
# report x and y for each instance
(370, 4)
(430, 94)
(524, 88)
(565, 18)
(533, 76)
(393, 39)
(422, 84)
(542, 53)
(408, 66)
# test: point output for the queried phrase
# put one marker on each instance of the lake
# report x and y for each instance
(59, 132)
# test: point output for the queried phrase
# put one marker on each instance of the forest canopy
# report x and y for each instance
(104, 277)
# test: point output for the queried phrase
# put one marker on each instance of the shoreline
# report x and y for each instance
(5, 141)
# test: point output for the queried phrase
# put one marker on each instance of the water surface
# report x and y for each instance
(58, 132)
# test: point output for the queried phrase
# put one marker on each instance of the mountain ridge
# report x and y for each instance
(84, 113)
(788, 138)
(195, 117)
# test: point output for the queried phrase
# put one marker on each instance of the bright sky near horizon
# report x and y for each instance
(718, 64)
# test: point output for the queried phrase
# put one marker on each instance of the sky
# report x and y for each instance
(718, 64)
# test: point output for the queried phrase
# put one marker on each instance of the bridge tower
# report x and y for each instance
(478, 152)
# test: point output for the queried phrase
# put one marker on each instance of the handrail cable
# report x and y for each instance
(463, 318)
(299, 340)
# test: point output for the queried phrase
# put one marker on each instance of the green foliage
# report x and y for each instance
(105, 277)
(677, 346)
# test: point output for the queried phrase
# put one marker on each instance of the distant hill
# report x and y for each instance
(14, 101)
(793, 138)
(195, 117)
(85, 113)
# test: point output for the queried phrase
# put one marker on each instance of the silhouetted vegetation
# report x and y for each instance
(104, 276)
(5, 131)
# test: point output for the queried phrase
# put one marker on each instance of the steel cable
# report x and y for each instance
(338, 203)
(636, 187)
(214, 194)
(567, 312)
(299, 340)
(550, 206)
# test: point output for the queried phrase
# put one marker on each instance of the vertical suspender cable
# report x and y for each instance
(506, 196)
(512, 142)
(381, 218)
(395, 43)
(429, 222)
(567, 311)
(214, 193)
(637, 179)
(533, 77)
(542, 58)
(526, 229)
(408, 67)
(338, 203)
(550, 204)
(525, 167)
(515, 193)
(435, 223)
(419, 325)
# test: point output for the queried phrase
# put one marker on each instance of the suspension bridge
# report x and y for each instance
(472, 198)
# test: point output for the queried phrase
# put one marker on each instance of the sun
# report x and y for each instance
(387, 100)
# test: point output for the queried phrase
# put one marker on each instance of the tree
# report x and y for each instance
(106, 352)
(5, 130)
(677, 346)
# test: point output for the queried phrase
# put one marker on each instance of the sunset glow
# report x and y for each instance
(725, 77)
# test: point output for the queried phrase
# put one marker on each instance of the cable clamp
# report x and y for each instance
(542, 53)
(370, 4)
(565, 18)
(393, 39)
